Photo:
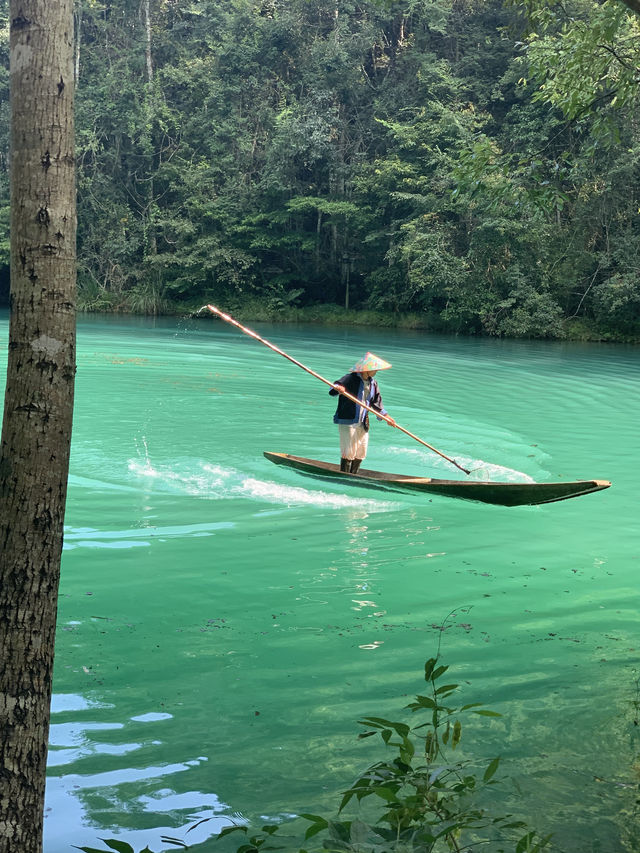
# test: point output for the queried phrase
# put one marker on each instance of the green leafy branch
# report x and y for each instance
(429, 801)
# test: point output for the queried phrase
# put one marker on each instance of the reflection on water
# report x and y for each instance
(110, 801)
(87, 537)
(224, 623)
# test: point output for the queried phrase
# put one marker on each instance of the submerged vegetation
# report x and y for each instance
(420, 800)
(472, 166)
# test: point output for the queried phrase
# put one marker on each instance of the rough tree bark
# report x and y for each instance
(36, 429)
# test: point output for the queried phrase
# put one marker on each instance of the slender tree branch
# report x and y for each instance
(624, 62)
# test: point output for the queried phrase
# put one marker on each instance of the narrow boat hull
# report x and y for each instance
(503, 494)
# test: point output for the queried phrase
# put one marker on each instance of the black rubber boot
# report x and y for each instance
(355, 464)
(345, 465)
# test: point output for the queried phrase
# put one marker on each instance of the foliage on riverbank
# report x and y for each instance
(258, 310)
(421, 799)
(400, 159)
(335, 315)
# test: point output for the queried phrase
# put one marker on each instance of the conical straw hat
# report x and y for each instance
(369, 361)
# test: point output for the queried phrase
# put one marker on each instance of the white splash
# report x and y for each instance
(213, 482)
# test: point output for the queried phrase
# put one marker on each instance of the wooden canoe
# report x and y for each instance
(504, 494)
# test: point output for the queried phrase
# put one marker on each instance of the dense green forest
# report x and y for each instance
(472, 164)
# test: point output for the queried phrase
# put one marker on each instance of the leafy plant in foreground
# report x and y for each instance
(429, 801)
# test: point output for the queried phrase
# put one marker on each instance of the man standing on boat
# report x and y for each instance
(353, 419)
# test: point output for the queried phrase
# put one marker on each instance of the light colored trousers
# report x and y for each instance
(353, 441)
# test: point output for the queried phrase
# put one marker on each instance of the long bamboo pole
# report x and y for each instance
(252, 334)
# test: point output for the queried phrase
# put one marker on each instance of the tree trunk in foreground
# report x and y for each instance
(36, 428)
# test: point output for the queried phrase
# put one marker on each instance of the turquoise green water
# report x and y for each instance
(224, 622)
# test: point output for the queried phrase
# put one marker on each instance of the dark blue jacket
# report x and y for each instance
(350, 413)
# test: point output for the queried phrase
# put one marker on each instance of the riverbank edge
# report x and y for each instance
(255, 310)
(274, 311)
